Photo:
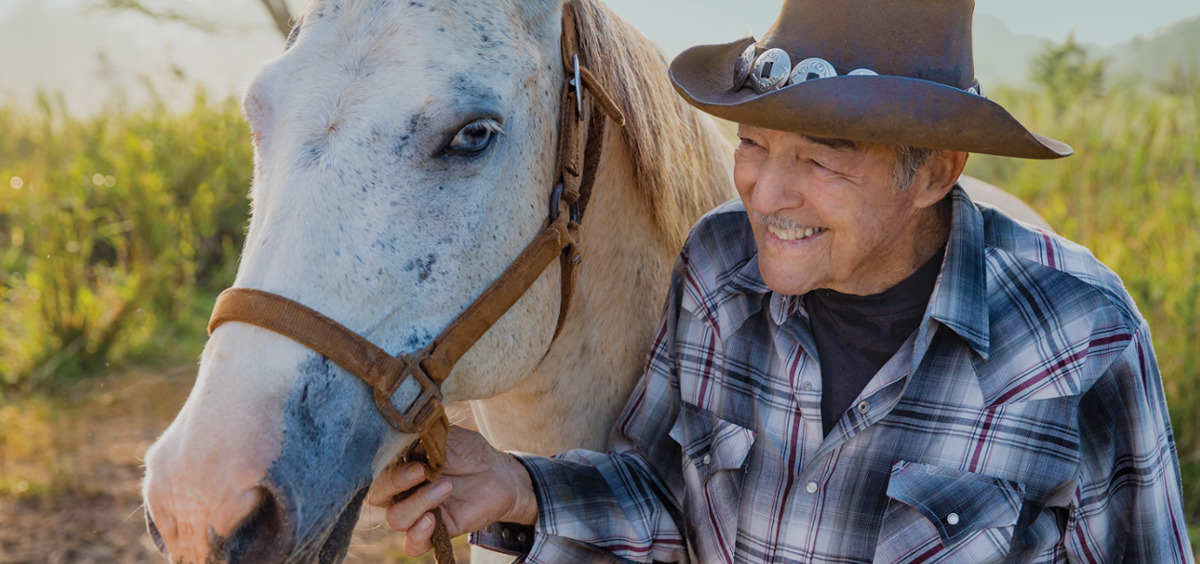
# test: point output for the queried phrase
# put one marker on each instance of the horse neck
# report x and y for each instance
(575, 394)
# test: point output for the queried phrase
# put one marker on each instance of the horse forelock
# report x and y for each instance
(681, 160)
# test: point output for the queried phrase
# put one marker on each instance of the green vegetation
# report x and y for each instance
(115, 231)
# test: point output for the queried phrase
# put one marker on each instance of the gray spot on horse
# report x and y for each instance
(423, 266)
(314, 152)
(418, 339)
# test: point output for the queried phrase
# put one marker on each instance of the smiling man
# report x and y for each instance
(856, 363)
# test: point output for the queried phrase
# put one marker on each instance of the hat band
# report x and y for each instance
(773, 70)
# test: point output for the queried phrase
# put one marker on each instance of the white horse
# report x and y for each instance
(404, 156)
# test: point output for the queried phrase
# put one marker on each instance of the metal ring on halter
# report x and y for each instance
(576, 213)
(555, 201)
(577, 84)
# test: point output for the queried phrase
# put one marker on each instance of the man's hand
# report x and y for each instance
(480, 485)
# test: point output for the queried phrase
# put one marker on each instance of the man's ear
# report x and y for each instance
(937, 176)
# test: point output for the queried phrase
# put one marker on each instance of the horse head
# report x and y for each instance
(404, 154)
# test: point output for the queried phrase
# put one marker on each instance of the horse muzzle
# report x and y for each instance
(268, 461)
(268, 535)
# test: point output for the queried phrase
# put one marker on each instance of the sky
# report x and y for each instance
(54, 44)
(1103, 22)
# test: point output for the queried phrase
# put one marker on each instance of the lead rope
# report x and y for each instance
(443, 550)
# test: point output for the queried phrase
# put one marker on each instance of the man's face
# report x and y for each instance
(826, 213)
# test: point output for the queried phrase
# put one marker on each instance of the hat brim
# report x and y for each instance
(880, 109)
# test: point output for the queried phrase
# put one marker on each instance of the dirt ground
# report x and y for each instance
(74, 497)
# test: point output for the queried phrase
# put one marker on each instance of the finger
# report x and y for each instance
(417, 538)
(394, 481)
(405, 512)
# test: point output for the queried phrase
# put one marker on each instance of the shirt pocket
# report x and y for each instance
(715, 452)
(937, 514)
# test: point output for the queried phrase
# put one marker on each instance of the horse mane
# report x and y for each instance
(680, 159)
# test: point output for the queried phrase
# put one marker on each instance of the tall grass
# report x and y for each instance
(113, 230)
(1131, 193)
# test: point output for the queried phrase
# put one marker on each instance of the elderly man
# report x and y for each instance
(855, 363)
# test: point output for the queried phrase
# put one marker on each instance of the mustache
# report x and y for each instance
(778, 222)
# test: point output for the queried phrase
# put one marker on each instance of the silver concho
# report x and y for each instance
(741, 68)
(812, 68)
(771, 70)
(863, 72)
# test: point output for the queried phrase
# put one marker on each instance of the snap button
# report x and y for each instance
(864, 407)
(504, 533)
(811, 488)
(952, 519)
(706, 460)
(808, 386)
(521, 537)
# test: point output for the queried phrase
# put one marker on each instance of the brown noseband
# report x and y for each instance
(429, 367)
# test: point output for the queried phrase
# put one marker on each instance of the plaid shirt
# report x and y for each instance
(1025, 417)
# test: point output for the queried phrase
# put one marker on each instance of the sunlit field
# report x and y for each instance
(1131, 194)
(117, 232)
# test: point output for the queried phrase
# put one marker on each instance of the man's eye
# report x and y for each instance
(474, 138)
(822, 168)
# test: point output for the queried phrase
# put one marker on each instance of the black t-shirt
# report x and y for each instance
(857, 335)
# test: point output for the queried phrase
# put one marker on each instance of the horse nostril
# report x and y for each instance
(154, 534)
(265, 535)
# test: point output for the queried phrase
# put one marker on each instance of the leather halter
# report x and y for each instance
(426, 417)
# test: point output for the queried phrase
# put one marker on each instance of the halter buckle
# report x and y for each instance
(555, 201)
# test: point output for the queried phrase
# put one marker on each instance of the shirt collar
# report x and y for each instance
(742, 295)
(959, 299)
(747, 279)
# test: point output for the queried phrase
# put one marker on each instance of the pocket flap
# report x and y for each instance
(710, 442)
(956, 502)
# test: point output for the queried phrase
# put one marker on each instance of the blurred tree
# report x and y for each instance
(278, 10)
(1067, 73)
(1182, 80)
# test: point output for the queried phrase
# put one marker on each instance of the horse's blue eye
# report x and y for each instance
(474, 139)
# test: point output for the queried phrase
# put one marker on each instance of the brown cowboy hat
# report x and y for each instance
(885, 71)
